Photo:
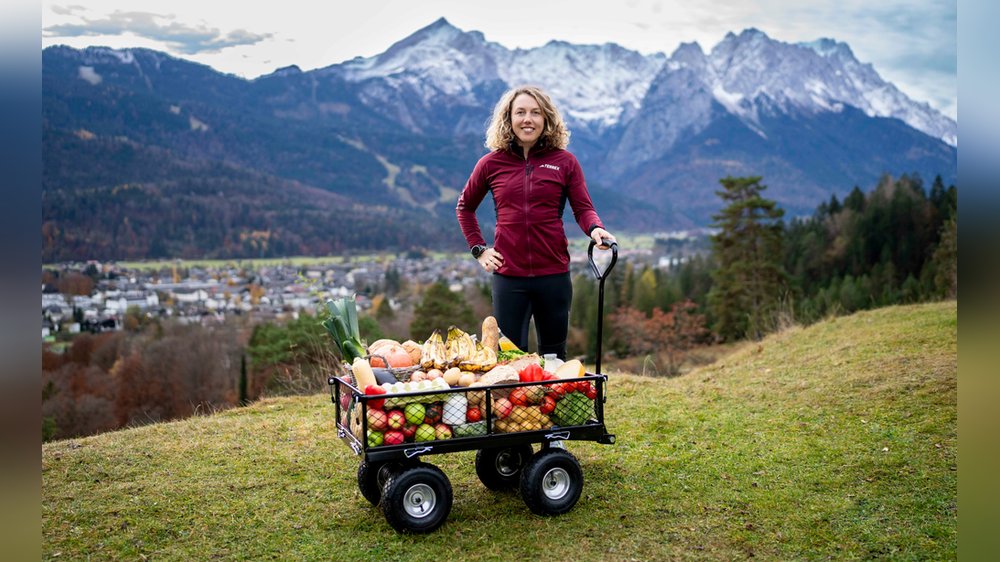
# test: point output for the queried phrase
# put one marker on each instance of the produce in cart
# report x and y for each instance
(469, 395)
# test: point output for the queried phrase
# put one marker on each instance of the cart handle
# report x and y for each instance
(593, 265)
(601, 276)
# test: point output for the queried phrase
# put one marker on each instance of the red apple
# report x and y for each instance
(397, 419)
(377, 420)
(409, 430)
(502, 408)
(393, 437)
(442, 431)
(473, 414)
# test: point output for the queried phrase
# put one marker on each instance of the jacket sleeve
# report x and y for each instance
(472, 195)
(579, 199)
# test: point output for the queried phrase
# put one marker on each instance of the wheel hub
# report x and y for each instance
(508, 463)
(555, 483)
(419, 500)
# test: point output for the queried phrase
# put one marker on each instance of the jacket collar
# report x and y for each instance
(518, 153)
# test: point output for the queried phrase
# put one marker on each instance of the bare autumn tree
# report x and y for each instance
(668, 334)
(107, 381)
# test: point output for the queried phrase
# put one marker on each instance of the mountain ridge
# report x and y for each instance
(402, 129)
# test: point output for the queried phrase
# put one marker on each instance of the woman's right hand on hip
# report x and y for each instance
(491, 260)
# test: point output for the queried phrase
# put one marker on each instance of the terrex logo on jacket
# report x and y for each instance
(529, 197)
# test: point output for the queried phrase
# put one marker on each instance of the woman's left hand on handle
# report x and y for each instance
(602, 237)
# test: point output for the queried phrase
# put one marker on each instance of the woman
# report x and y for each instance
(531, 176)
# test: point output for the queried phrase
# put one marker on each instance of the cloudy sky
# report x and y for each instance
(911, 43)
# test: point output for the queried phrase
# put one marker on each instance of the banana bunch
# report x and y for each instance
(459, 347)
(483, 359)
(433, 354)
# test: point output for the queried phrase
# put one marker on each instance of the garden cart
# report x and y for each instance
(501, 420)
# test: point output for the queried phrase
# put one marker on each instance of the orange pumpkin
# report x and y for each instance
(395, 354)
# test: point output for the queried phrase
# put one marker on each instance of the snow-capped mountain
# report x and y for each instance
(596, 86)
(600, 86)
(398, 133)
(819, 76)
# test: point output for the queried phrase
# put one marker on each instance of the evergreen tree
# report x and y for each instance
(855, 200)
(748, 250)
(439, 309)
(945, 261)
(644, 295)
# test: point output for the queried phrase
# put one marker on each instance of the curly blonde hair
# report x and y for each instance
(500, 133)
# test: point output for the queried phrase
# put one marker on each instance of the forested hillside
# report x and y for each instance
(893, 245)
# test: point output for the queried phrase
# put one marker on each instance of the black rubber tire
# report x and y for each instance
(500, 469)
(371, 478)
(417, 499)
(551, 482)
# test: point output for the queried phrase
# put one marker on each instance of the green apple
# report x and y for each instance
(425, 432)
(375, 438)
(414, 413)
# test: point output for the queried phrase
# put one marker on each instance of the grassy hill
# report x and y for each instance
(838, 440)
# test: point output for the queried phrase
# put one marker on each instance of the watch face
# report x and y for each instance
(478, 251)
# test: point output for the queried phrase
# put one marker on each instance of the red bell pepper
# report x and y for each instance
(531, 373)
(372, 390)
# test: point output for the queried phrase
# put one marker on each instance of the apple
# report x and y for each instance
(502, 408)
(377, 420)
(397, 419)
(426, 432)
(409, 430)
(375, 438)
(393, 437)
(432, 414)
(473, 414)
(442, 431)
(414, 413)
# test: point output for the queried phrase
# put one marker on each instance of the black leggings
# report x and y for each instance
(547, 298)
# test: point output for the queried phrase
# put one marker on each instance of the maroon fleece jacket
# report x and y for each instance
(529, 196)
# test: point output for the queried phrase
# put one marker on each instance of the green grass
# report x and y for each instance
(295, 261)
(834, 441)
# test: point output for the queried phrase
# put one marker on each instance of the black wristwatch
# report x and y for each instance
(478, 250)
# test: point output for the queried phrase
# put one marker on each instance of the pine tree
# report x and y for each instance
(945, 260)
(439, 309)
(644, 294)
(748, 250)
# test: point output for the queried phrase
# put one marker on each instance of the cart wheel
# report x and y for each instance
(500, 469)
(551, 482)
(371, 478)
(417, 499)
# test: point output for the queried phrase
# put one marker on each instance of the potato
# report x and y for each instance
(466, 378)
(452, 375)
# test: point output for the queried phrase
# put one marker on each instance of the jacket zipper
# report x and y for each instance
(527, 211)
